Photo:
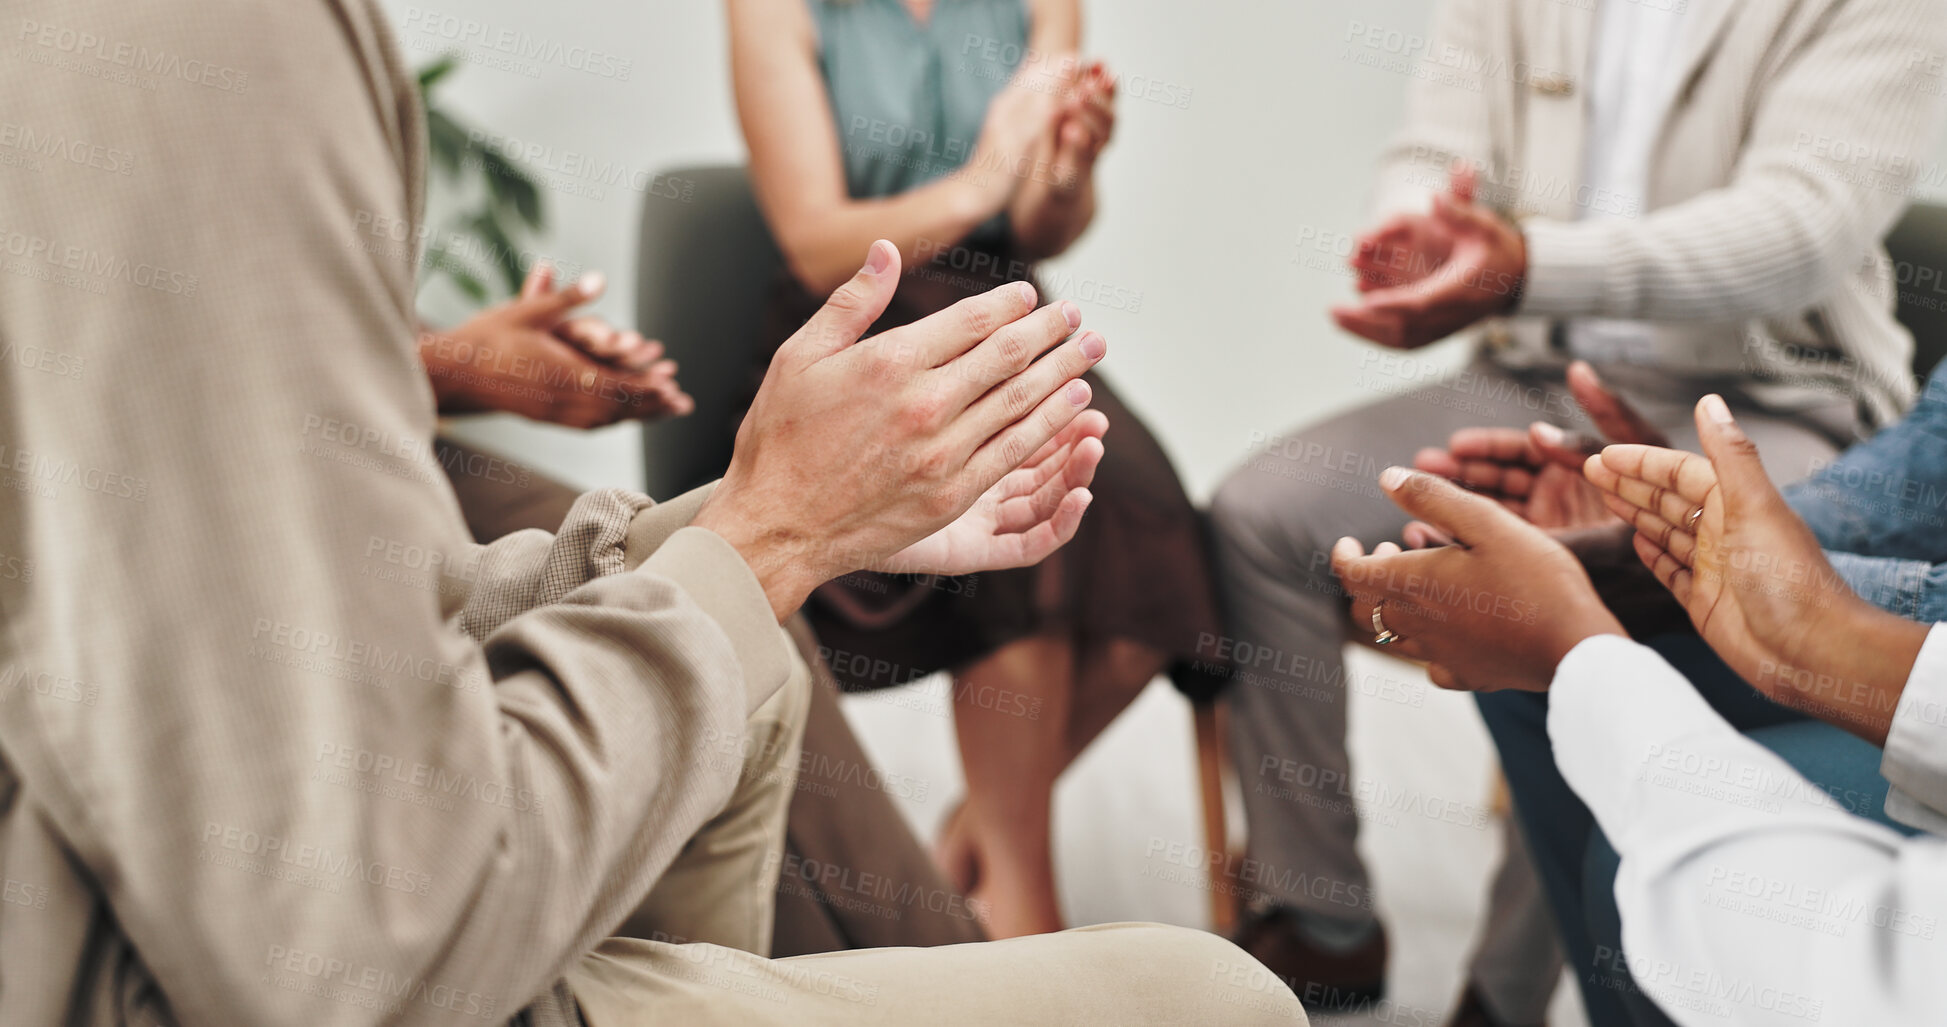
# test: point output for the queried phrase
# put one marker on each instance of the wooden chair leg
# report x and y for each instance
(1211, 759)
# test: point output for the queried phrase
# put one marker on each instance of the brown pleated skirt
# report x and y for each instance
(1137, 569)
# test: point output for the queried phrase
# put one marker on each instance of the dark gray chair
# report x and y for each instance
(1918, 245)
(705, 263)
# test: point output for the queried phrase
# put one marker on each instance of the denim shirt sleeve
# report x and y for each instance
(1914, 589)
(1886, 496)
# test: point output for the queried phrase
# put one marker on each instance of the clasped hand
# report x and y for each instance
(534, 356)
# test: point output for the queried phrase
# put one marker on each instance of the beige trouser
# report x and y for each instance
(696, 955)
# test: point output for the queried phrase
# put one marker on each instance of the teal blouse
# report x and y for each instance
(909, 99)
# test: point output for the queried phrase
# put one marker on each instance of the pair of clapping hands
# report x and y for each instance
(1492, 595)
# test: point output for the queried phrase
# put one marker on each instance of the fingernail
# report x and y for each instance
(1549, 433)
(1393, 477)
(1078, 392)
(1026, 291)
(877, 260)
(1715, 409)
(1093, 346)
(1071, 314)
(591, 283)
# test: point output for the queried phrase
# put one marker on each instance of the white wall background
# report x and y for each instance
(1203, 206)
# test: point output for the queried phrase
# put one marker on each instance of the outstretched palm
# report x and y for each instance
(1719, 535)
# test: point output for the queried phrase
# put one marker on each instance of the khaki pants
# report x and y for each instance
(1117, 975)
(694, 956)
(694, 951)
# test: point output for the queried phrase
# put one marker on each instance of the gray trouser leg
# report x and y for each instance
(1518, 961)
(1276, 519)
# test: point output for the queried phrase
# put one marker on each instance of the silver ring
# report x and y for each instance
(1381, 634)
(1690, 522)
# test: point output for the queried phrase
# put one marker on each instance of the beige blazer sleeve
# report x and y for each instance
(1801, 213)
(290, 760)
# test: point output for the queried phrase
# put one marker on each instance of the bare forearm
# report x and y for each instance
(824, 247)
(1851, 677)
(1048, 219)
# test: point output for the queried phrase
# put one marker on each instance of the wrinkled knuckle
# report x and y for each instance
(933, 464)
(1013, 450)
(1013, 350)
(977, 320)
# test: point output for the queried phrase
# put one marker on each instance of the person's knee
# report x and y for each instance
(1258, 515)
(1191, 976)
(1243, 507)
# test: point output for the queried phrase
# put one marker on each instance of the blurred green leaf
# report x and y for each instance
(510, 207)
(502, 251)
(511, 189)
(447, 141)
(432, 73)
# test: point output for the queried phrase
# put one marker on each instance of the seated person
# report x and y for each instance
(200, 668)
(1745, 889)
(535, 356)
(967, 133)
(1648, 186)
(1875, 510)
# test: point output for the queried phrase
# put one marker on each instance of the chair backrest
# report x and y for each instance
(1918, 246)
(705, 262)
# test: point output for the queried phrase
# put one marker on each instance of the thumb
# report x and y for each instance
(1466, 517)
(853, 307)
(1740, 473)
(545, 309)
(1462, 181)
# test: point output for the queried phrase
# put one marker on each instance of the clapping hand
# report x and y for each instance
(1537, 473)
(1084, 124)
(535, 357)
(1425, 277)
(1749, 572)
(1024, 518)
(1405, 248)
(1496, 609)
